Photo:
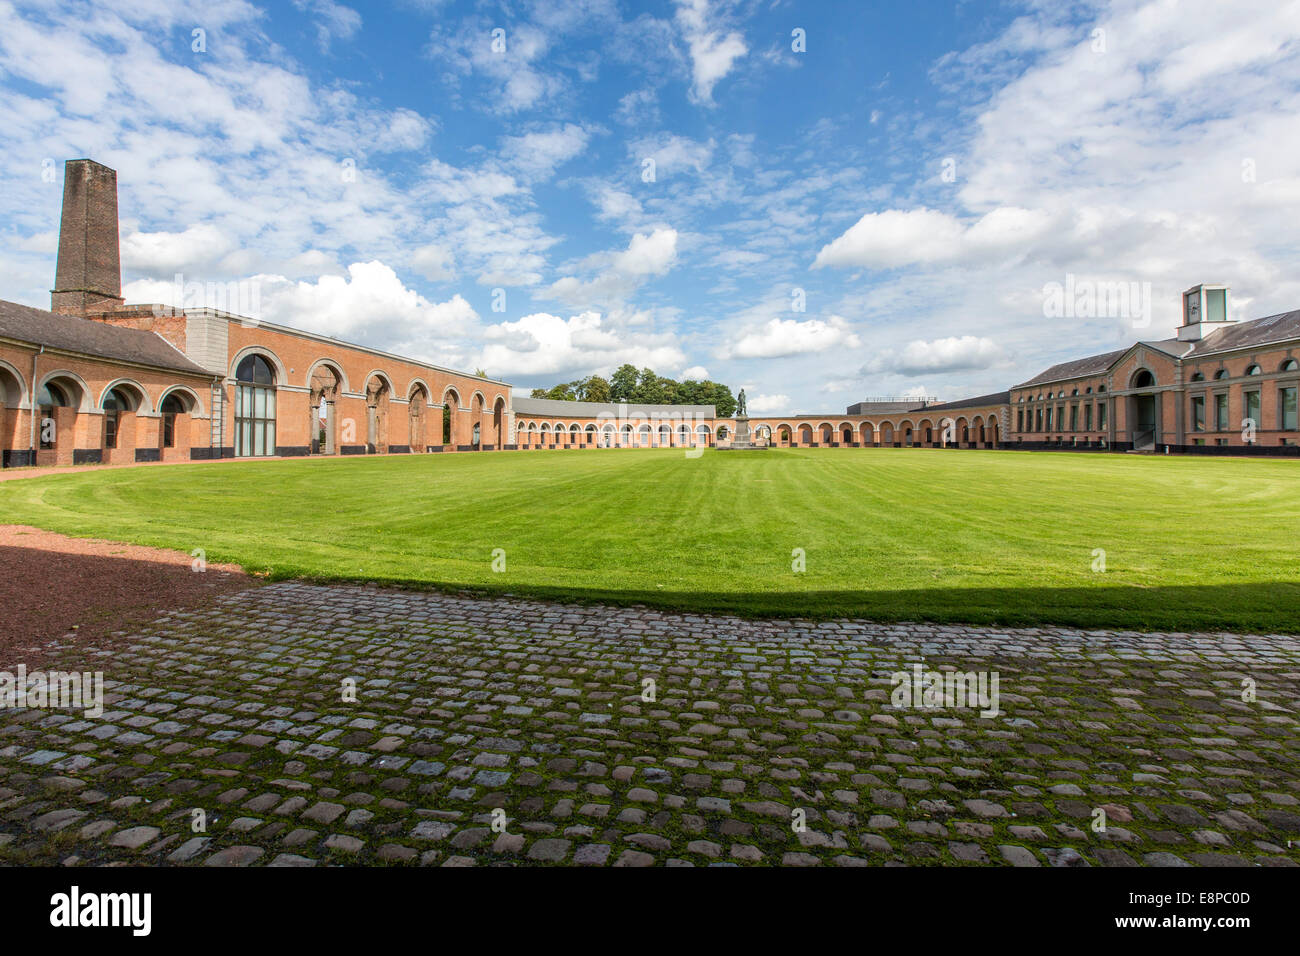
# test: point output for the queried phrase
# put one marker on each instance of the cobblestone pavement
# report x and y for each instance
(469, 708)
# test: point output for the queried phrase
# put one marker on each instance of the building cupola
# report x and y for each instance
(1205, 311)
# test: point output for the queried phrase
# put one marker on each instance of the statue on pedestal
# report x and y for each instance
(740, 404)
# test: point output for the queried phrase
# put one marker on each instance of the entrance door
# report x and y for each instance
(1144, 422)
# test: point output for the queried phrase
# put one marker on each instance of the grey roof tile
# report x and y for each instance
(71, 333)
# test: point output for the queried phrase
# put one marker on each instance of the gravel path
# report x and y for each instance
(53, 586)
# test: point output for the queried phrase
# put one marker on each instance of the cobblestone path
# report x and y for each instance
(766, 742)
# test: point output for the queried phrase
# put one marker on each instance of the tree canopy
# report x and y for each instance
(644, 387)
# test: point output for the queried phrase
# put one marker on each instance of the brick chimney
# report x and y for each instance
(89, 273)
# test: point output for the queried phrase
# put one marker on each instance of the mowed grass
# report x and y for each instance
(892, 534)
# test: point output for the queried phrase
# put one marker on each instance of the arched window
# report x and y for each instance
(1221, 374)
(1253, 370)
(1144, 379)
(477, 429)
(254, 407)
(255, 370)
(1290, 365)
(115, 403)
(1198, 377)
(171, 407)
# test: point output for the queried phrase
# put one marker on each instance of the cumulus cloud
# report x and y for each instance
(778, 338)
(538, 153)
(543, 344)
(713, 52)
(621, 273)
(954, 354)
(778, 404)
(200, 247)
(370, 305)
(900, 237)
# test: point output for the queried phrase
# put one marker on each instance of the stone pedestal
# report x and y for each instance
(742, 437)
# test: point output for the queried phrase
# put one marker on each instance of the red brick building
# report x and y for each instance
(98, 380)
(1218, 387)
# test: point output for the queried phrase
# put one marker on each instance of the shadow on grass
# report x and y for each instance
(1265, 608)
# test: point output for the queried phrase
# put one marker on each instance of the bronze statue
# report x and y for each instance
(740, 403)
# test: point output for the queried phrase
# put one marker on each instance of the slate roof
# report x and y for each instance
(70, 333)
(1257, 333)
(996, 398)
(1077, 368)
(1266, 331)
(883, 408)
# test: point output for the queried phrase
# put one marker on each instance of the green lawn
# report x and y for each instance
(978, 536)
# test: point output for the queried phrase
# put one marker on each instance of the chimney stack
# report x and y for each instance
(89, 273)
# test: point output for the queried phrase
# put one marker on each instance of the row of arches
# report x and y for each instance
(66, 419)
(977, 430)
(534, 434)
(342, 417)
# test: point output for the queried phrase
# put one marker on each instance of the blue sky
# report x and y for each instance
(915, 178)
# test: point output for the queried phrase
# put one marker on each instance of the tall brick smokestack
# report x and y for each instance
(89, 273)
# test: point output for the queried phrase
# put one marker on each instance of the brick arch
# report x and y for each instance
(383, 377)
(334, 366)
(867, 433)
(925, 430)
(281, 376)
(83, 390)
(23, 397)
(196, 400)
(142, 403)
(418, 382)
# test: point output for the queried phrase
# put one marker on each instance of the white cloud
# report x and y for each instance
(199, 247)
(333, 20)
(894, 238)
(538, 153)
(954, 354)
(696, 373)
(543, 344)
(713, 53)
(621, 273)
(779, 338)
(778, 404)
(369, 305)
(434, 261)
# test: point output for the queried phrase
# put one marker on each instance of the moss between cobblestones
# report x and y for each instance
(1061, 691)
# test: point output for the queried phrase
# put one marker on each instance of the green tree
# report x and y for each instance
(622, 384)
(594, 389)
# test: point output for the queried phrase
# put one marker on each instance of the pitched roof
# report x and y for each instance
(71, 333)
(996, 398)
(1077, 368)
(1266, 331)
(883, 408)
(563, 409)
